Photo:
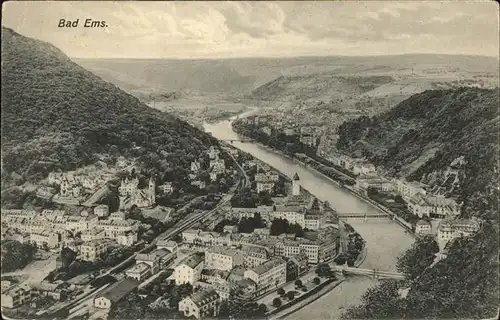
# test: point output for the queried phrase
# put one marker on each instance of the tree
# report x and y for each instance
(290, 295)
(281, 291)
(262, 310)
(298, 283)
(316, 280)
(277, 302)
(420, 256)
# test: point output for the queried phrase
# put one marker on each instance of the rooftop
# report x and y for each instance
(139, 268)
(204, 297)
(268, 265)
(119, 290)
(193, 261)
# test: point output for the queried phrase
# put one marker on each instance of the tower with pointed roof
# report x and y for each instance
(296, 185)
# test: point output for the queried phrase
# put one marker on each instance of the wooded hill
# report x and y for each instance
(57, 116)
(419, 137)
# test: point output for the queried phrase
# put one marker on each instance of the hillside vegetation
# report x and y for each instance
(321, 85)
(58, 116)
(425, 133)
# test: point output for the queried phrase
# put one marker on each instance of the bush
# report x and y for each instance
(277, 302)
(281, 291)
(298, 283)
(290, 295)
(317, 281)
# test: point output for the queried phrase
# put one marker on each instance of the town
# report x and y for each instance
(272, 234)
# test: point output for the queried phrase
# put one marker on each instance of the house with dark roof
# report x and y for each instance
(200, 304)
(115, 293)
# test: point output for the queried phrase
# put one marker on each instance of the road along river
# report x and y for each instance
(385, 240)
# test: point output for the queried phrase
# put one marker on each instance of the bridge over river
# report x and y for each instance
(374, 273)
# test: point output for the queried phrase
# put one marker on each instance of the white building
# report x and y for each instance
(268, 276)
(213, 153)
(101, 210)
(195, 166)
(91, 250)
(47, 238)
(189, 271)
(408, 189)
(167, 244)
(217, 165)
(16, 296)
(435, 206)
(140, 272)
(222, 258)
(127, 238)
(200, 304)
(423, 227)
(451, 229)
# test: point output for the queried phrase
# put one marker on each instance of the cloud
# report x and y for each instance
(235, 29)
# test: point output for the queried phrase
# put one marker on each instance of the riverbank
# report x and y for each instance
(384, 250)
(308, 300)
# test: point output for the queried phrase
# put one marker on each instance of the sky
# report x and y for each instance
(186, 30)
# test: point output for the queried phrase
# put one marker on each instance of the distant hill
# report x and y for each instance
(242, 75)
(171, 75)
(321, 86)
(57, 116)
(419, 139)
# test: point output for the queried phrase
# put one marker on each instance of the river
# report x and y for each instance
(385, 239)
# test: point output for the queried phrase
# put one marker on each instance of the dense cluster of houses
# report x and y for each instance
(217, 168)
(51, 229)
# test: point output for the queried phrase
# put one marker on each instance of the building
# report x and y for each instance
(126, 238)
(213, 153)
(156, 259)
(422, 227)
(408, 189)
(363, 183)
(433, 206)
(296, 265)
(254, 256)
(195, 166)
(140, 272)
(16, 296)
(222, 258)
(46, 238)
(130, 193)
(268, 276)
(198, 183)
(451, 229)
(296, 185)
(91, 250)
(101, 210)
(189, 271)
(201, 304)
(167, 244)
(167, 187)
(114, 293)
(292, 213)
(217, 165)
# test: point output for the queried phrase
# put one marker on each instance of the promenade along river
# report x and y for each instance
(385, 239)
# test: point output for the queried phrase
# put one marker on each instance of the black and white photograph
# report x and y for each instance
(292, 160)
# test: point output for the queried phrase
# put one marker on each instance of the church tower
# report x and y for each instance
(296, 185)
(152, 191)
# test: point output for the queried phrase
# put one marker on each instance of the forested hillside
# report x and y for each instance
(416, 139)
(56, 115)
